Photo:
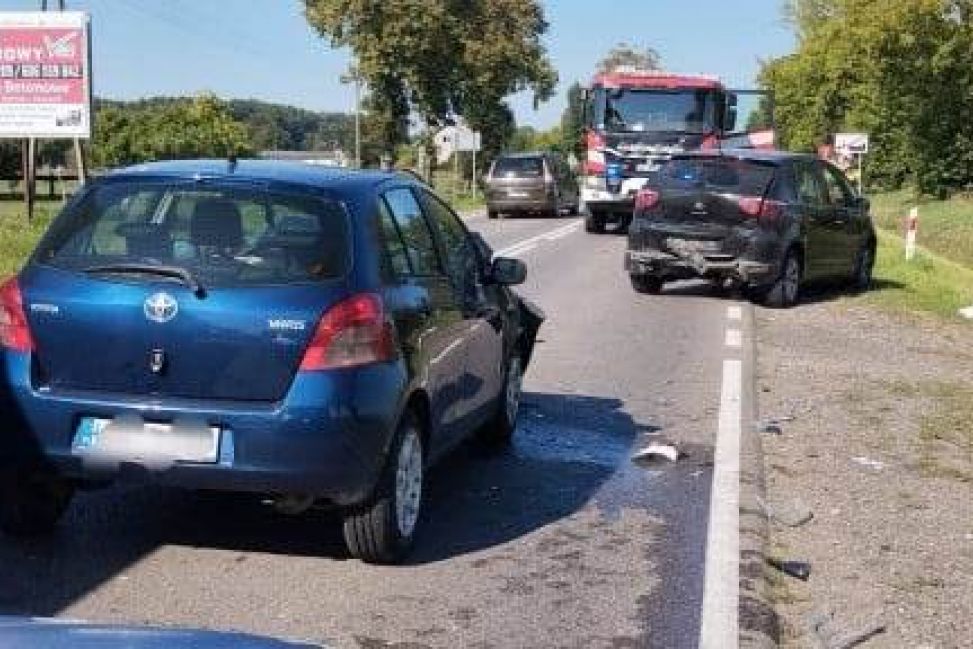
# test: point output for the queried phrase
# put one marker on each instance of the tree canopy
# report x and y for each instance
(626, 54)
(442, 58)
(901, 70)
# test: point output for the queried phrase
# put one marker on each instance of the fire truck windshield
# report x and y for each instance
(655, 110)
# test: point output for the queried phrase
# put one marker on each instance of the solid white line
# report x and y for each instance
(519, 250)
(734, 338)
(721, 586)
(734, 313)
(528, 243)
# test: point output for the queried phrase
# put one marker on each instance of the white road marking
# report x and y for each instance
(734, 338)
(721, 586)
(529, 244)
(734, 313)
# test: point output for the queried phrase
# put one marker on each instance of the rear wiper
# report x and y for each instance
(175, 272)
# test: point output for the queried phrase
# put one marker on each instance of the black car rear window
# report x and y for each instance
(519, 168)
(231, 234)
(723, 175)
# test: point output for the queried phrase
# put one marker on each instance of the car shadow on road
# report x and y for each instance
(566, 447)
(812, 293)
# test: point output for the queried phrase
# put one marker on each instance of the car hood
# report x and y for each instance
(47, 633)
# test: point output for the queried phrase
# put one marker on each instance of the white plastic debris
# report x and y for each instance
(868, 462)
(967, 312)
(657, 452)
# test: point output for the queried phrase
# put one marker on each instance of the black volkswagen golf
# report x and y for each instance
(310, 334)
(768, 221)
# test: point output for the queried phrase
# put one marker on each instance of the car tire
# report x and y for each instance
(646, 284)
(32, 504)
(786, 289)
(862, 271)
(383, 531)
(594, 223)
(492, 214)
(499, 431)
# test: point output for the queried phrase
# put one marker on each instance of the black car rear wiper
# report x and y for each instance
(134, 268)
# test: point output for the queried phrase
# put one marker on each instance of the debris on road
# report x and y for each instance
(792, 513)
(655, 452)
(967, 312)
(770, 427)
(868, 462)
(821, 625)
(797, 569)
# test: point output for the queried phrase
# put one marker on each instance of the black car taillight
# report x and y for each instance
(353, 332)
(766, 211)
(14, 329)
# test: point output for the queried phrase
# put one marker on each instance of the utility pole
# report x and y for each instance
(353, 76)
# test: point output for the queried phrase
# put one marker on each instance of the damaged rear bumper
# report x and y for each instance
(686, 266)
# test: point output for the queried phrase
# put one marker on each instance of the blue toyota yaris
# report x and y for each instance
(311, 334)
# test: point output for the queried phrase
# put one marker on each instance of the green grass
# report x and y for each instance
(945, 227)
(946, 435)
(929, 283)
(17, 236)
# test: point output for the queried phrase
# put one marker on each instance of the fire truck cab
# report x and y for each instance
(637, 119)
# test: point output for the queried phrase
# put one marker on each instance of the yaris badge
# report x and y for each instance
(161, 307)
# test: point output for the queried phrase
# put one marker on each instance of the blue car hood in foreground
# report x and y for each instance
(42, 633)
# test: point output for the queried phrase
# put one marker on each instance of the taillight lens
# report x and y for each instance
(646, 199)
(767, 211)
(351, 333)
(594, 164)
(14, 330)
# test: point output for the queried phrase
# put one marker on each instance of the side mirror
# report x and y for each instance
(730, 118)
(508, 272)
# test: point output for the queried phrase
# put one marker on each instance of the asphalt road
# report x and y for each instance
(562, 541)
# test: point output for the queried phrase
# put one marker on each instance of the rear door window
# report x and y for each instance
(414, 230)
(718, 175)
(395, 250)
(519, 167)
(839, 191)
(810, 186)
(224, 234)
(458, 254)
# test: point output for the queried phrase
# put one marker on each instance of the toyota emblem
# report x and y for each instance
(161, 307)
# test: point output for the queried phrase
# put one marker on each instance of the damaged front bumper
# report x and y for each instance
(698, 264)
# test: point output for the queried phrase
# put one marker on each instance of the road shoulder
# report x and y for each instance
(868, 422)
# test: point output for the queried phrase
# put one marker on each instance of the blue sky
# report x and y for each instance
(264, 48)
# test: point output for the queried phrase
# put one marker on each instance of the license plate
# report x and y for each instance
(134, 440)
(647, 167)
(692, 245)
(518, 194)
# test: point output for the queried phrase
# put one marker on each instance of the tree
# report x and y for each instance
(177, 128)
(572, 122)
(901, 70)
(443, 58)
(625, 54)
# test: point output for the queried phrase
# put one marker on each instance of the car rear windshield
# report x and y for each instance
(722, 175)
(223, 234)
(519, 168)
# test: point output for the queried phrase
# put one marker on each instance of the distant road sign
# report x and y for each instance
(466, 140)
(45, 75)
(851, 143)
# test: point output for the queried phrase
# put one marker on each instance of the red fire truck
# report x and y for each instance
(636, 119)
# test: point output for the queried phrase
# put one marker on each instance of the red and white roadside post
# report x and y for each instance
(911, 230)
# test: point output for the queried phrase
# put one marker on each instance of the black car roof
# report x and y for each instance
(757, 155)
(261, 171)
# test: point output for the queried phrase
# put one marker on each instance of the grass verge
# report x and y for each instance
(929, 283)
(945, 226)
(17, 236)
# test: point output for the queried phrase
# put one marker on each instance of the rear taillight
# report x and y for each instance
(646, 199)
(765, 210)
(14, 330)
(353, 332)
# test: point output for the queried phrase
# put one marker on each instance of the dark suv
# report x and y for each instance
(765, 220)
(539, 183)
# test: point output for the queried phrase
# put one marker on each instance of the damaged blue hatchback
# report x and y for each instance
(310, 334)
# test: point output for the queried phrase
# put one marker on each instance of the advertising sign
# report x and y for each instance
(45, 76)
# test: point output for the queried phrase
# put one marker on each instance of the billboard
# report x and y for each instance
(45, 75)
